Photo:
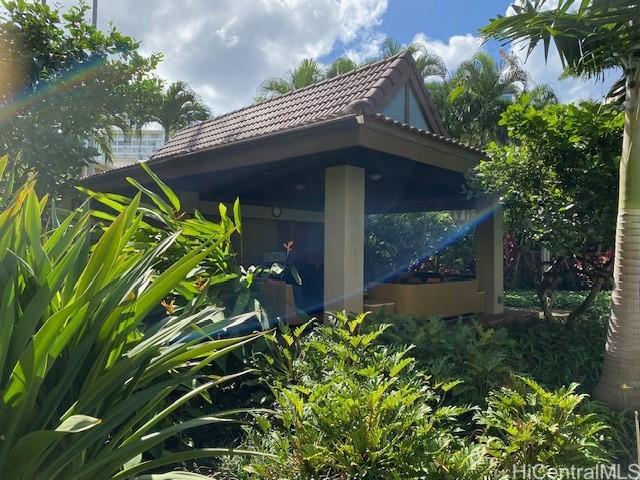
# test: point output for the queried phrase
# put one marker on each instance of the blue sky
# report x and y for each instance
(439, 18)
(225, 48)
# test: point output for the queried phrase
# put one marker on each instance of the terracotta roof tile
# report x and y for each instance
(339, 96)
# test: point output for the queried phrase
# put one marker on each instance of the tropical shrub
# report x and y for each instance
(357, 409)
(558, 178)
(481, 358)
(526, 425)
(551, 353)
(555, 353)
(162, 215)
(85, 386)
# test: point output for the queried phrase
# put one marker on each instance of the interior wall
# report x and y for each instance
(263, 235)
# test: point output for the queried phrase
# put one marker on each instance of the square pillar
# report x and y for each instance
(344, 238)
(489, 257)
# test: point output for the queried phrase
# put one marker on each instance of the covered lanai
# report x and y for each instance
(309, 165)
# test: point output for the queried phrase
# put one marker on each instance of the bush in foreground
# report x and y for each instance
(86, 390)
(350, 407)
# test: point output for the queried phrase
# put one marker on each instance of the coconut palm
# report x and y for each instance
(592, 36)
(340, 66)
(452, 113)
(486, 88)
(542, 95)
(429, 64)
(178, 107)
(305, 73)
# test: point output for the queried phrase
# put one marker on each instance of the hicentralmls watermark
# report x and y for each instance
(597, 472)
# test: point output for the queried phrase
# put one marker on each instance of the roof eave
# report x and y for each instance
(298, 141)
(396, 138)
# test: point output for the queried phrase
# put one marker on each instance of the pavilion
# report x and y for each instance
(309, 165)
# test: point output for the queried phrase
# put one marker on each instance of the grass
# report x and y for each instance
(564, 300)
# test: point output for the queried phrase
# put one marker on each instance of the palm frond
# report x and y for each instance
(589, 36)
(340, 66)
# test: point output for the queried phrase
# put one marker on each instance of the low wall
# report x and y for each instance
(444, 299)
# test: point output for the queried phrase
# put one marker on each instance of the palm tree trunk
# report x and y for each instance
(619, 384)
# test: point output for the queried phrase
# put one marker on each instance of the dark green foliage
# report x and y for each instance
(549, 350)
(553, 354)
(63, 85)
(349, 407)
(558, 176)
(396, 241)
(550, 353)
(481, 358)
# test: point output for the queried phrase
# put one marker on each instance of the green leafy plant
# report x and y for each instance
(481, 358)
(555, 353)
(558, 180)
(357, 409)
(528, 425)
(67, 84)
(84, 384)
(162, 215)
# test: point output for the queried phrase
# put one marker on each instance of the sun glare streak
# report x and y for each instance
(12, 68)
(479, 217)
(45, 90)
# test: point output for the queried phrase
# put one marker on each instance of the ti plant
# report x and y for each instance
(86, 389)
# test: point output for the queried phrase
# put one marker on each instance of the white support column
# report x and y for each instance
(489, 259)
(344, 238)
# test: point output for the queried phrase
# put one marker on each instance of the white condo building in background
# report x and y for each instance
(131, 148)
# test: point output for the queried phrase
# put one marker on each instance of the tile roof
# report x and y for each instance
(441, 138)
(362, 90)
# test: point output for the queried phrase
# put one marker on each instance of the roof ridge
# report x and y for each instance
(367, 102)
(390, 60)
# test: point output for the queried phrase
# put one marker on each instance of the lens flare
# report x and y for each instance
(478, 217)
(40, 94)
(12, 67)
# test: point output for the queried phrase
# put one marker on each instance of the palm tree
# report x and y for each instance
(340, 66)
(542, 95)
(178, 107)
(305, 73)
(591, 37)
(429, 64)
(485, 89)
(451, 112)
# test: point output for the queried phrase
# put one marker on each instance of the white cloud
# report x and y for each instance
(370, 47)
(224, 49)
(457, 48)
(568, 89)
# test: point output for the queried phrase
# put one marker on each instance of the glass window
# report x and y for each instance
(395, 109)
(416, 118)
